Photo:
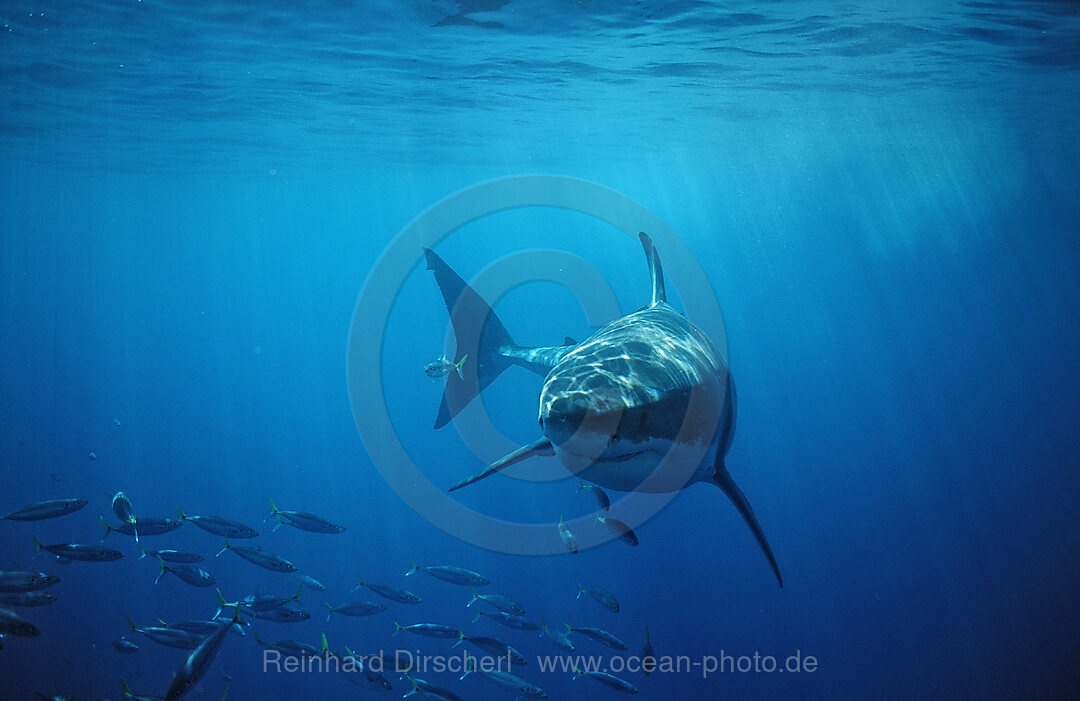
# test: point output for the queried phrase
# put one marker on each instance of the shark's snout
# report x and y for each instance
(582, 423)
(561, 418)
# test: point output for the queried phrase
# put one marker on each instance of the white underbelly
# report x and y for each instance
(655, 466)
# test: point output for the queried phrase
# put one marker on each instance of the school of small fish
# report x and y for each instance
(202, 640)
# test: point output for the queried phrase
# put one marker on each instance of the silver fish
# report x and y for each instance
(310, 581)
(143, 526)
(503, 603)
(81, 551)
(27, 599)
(507, 619)
(441, 367)
(454, 575)
(507, 681)
(45, 509)
(609, 680)
(600, 495)
(493, 646)
(190, 574)
(11, 624)
(599, 635)
(199, 627)
(648, 657)
(121, 506)
(124, 645)
(356, 670)
(20, 581)
(604, 598)
(256, 603)
(170, 637)
(356, 608)
(429, 630)
(392, 593)
(220, 526)
(304, 520)
(559, 638)
(198, 662)
(257, 556)
(287, 613)
(289, 648)
(429, 690)
(365, 675)
(626, 533)
(178, 557)
(568, 538)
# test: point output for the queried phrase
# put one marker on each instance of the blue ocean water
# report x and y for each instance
(882, 196)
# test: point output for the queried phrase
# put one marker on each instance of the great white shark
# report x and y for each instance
(645, 404)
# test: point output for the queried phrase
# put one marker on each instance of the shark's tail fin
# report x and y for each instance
(480, 338)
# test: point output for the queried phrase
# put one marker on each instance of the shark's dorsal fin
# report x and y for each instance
(656, 271)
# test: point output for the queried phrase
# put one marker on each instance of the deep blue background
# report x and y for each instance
(884, 200)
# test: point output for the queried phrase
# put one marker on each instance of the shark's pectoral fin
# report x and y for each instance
(722, 479)
(541, 446)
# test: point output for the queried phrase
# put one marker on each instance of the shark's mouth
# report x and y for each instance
(621, 457)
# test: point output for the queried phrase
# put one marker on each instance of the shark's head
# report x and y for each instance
(614, 407)
(579, 420)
